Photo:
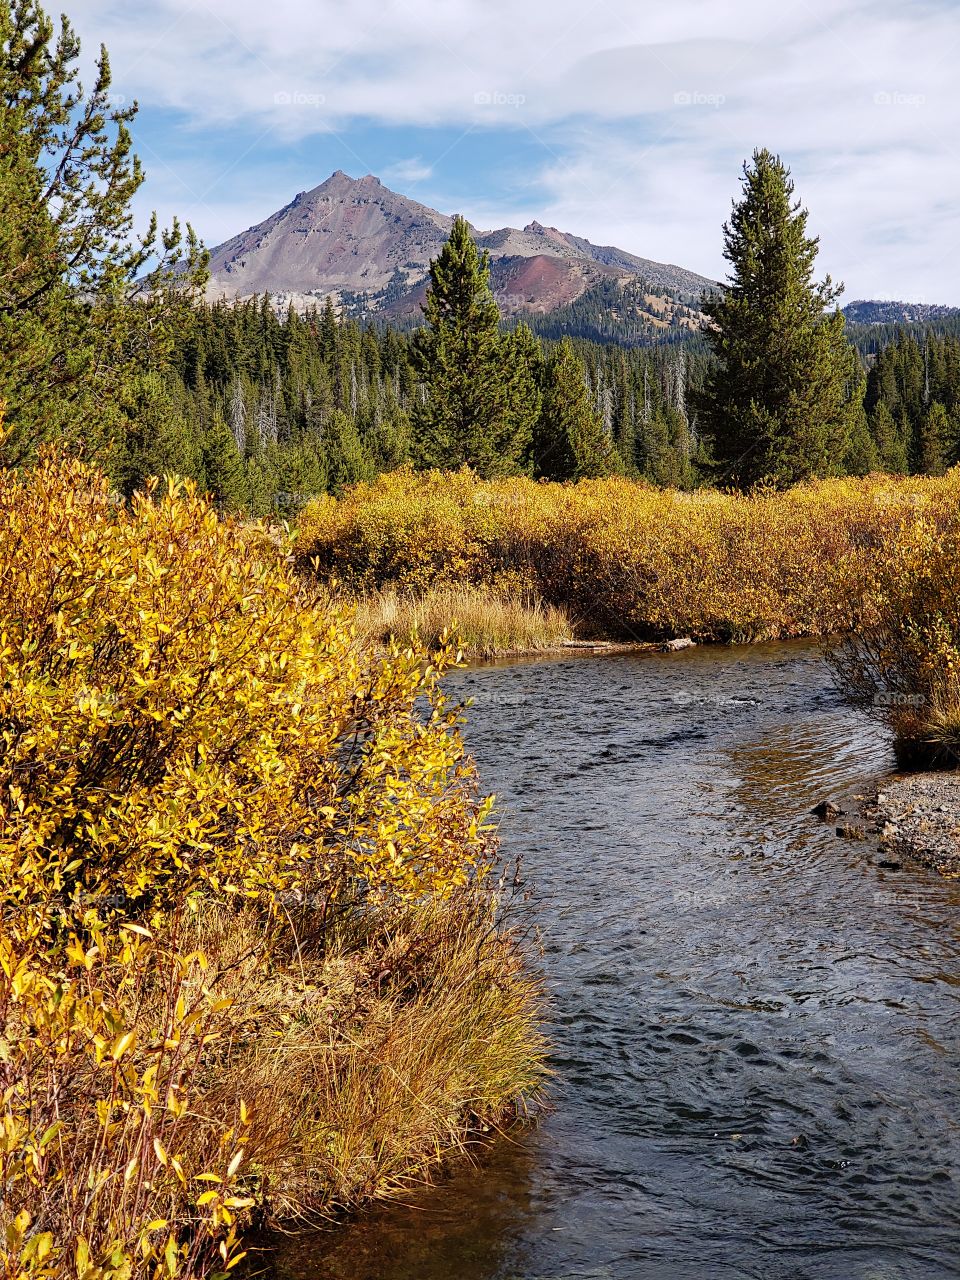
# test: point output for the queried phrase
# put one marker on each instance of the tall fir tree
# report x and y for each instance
(570, 442)
(891, 445)
(523, 371)
(463, 416)
(162, 438)
(224, 476)
(781, 397)
(70, 345)
(933, 441)
(346, 459)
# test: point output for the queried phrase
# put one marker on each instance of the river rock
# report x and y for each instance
(674, 646)
(827, 811)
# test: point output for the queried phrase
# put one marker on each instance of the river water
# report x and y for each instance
(756, 1027)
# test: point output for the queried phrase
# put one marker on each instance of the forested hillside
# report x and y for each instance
(266, 410)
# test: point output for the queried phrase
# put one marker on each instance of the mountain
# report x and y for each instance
(898, 313)
(370, 248)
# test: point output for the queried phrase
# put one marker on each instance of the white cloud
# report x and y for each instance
(642, 113)
(408, 171)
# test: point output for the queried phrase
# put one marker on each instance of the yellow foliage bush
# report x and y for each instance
(898, 657)
(175, 717)
(622, 558)
(205, 781)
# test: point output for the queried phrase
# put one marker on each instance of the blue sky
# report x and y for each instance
(620, 120)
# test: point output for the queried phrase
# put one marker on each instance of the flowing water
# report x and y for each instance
(756, 1027)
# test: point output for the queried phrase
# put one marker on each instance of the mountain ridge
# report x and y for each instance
(370, 248)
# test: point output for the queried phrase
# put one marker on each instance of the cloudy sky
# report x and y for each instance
(621, 120)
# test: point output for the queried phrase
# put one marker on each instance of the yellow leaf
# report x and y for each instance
(122, 1044)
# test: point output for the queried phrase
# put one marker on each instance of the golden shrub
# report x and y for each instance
(898, 657)
(176, 717)
(623, 558)
(187, 737)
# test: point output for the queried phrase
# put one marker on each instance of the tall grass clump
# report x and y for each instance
(253, 961)
(620, 558)
(486, 623)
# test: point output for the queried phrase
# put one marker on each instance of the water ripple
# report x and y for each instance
(756, 1028)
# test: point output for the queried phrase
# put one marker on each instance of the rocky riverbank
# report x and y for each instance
(913, 816)
(918, 816)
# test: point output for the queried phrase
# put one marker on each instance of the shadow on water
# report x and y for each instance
(756, 1028)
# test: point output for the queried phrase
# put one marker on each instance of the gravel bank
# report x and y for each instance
(918, 816)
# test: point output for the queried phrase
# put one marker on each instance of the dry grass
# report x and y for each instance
(485, 623)
(378, 1046)
(362, 1046)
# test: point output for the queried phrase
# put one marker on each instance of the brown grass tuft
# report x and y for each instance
(484, 623)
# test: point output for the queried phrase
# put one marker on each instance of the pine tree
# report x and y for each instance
(570, 442)
(933, 441)
(301, 471)
(345, 458)
(69, 343)
(779, 398)
(523, 370)
(461, 418)
(328, 331)
(861, 456)
(161, 439)
(891, 453)
(223, 470)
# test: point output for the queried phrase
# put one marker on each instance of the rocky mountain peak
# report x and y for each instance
(355, 236)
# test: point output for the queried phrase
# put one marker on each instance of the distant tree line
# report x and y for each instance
(913, 403)
(266, 410)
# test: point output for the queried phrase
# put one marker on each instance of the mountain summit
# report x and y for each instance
(356, 239)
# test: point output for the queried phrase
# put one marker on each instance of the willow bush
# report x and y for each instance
(622, 558)
(245, 874)
(898, 658)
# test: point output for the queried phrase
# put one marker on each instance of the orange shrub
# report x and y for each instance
(621, 557)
